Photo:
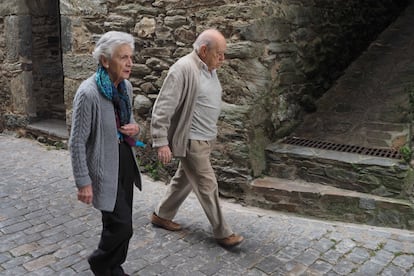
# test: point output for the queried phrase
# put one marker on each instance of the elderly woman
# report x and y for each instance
(101, 144)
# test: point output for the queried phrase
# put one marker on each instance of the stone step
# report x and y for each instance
(331, 203)
(49, 127)
(376, 175)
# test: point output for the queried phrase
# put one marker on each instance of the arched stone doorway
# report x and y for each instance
(47, 97)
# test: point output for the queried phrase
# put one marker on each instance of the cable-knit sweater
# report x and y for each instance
(93, 144)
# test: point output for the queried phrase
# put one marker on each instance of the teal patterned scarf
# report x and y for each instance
(118, 96)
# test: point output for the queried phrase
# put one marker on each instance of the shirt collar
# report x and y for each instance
(201, 63)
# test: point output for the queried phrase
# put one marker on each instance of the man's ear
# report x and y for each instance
(203, 51)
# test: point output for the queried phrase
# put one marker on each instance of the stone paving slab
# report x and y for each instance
(44, 230)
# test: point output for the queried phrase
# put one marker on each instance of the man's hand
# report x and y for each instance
(85, 194)
(164, 154)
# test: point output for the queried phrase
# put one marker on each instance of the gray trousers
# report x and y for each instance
(195, 173)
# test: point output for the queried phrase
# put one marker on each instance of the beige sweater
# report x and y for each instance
(173, 110)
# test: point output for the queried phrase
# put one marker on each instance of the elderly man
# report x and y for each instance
(184, 125)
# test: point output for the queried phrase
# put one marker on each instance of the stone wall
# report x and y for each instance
(15, 52)
(31, 73)
(282, 56)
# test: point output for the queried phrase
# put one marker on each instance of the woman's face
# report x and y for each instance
(120, 65)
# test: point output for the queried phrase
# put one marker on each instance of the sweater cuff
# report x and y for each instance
(159, 142)
(83, 181)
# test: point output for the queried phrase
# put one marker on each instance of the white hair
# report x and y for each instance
(109, 41)
(205, 38)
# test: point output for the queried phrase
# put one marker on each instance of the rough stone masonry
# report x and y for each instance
(282, 56)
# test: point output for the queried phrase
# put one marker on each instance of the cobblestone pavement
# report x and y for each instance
(44, 230)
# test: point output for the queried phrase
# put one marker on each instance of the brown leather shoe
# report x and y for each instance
(165, 223)
(230, 241)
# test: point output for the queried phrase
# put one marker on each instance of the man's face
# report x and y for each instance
(214, 56)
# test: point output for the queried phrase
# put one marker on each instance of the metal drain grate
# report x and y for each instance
(378, 152)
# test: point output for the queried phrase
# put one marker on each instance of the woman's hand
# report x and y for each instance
(85, 194)
(129, 129)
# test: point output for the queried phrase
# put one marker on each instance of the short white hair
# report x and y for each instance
(205, 38)
(109, 41)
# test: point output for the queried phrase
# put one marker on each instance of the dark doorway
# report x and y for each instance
(47, 68)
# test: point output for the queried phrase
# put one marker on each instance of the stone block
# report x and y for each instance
(158, 52)
(175, 21)
(11, 31)
(79, 7)
(16, 7)
(78, 66)
(66, 33)
(263, 29)
(21, 88)
(145, 27)
(142, 104)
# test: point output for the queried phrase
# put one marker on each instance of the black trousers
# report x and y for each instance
(117, 225)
